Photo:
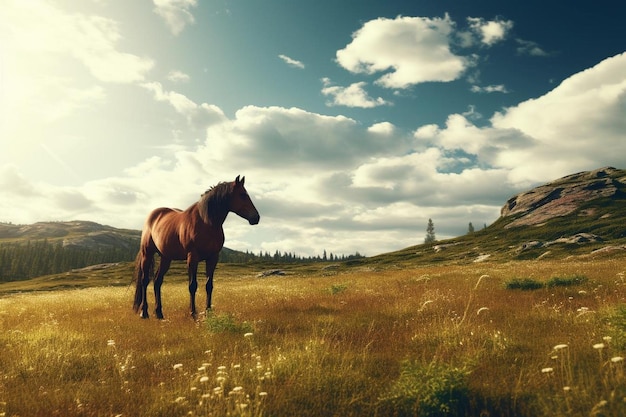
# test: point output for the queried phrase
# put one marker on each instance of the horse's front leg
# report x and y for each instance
(211, 263)
(192, 271)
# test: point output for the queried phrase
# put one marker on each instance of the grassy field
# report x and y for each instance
(457, 340)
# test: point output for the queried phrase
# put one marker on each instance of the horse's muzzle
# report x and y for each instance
(254, 219)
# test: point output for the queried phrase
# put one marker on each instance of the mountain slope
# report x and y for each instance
(581, 214)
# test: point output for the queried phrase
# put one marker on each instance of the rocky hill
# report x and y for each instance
(566, 196)
(582, 214)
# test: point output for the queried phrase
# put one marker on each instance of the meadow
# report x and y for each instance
(366, 340)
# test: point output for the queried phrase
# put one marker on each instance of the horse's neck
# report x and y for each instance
(215, 219)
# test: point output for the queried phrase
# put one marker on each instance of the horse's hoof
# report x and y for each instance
(159, 315)
(144, 315)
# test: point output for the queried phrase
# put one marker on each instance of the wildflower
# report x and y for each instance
(561, 346)
(178, 366)
(607, 339)
(237, 366)
(179, 400)
(599, 346)
(202, 369)
(617, 359)
(262, 394)
(110, 342)
(547, 370)
(221, 368)
(204, 379)
(567, 389)
(248, 335)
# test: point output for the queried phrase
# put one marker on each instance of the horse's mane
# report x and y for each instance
(213, 204)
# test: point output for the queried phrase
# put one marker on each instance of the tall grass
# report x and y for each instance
(438, 340)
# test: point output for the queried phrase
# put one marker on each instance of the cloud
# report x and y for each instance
(196, 115)
(177, 76)
(352, 96)
(176, 13)
(579, 125)
(490, 32)
(291, 62)
(500, 88)
(38, 31)
(411, 50)
(530, 48)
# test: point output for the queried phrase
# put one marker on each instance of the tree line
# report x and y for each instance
(230, 256)
(36, 258)
(30, 259)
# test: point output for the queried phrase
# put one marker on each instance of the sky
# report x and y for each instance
(353, 122)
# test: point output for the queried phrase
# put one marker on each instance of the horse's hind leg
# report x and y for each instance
(146, 265)
(164, 265)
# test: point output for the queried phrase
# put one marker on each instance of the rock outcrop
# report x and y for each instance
(564, 196)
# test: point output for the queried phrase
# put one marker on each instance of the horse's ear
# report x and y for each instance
(243, 179)
(237, 180)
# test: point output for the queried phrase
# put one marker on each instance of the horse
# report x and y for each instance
(194, 235)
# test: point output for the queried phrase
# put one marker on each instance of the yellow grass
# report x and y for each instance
(317, 345)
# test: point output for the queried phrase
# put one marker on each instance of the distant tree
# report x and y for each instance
(430, 232)
(470, 229)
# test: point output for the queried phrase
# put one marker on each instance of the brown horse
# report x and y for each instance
(194, 235)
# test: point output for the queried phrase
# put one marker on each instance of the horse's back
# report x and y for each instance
(162, 229)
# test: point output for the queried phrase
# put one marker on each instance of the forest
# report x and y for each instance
(30, 259)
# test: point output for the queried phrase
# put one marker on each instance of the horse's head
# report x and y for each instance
(241, 204)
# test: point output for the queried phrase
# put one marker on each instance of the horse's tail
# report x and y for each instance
(140, 263)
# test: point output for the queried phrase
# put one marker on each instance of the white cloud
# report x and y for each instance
(499, 88)
(38, 31)
(579, 125)
(352, 96)
(200, 116)
(176, 13)
(412, 50)
(177, 76)
(291, 62)
(490, 31)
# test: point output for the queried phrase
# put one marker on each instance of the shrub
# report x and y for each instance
(433, 390)
(524, 284)
(220, 323)
(566, 281)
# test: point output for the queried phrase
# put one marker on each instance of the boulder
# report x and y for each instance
(564, 196)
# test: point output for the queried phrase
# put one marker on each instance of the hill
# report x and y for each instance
(77, 233)
(582, 214)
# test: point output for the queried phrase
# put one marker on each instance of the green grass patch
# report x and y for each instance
(566, 281)
(524, 284)
(428, 390)
(226, 323)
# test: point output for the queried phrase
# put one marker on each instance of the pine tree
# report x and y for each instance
(470, 229)
(430, 232)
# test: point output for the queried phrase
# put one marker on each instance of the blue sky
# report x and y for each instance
(353, 121)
